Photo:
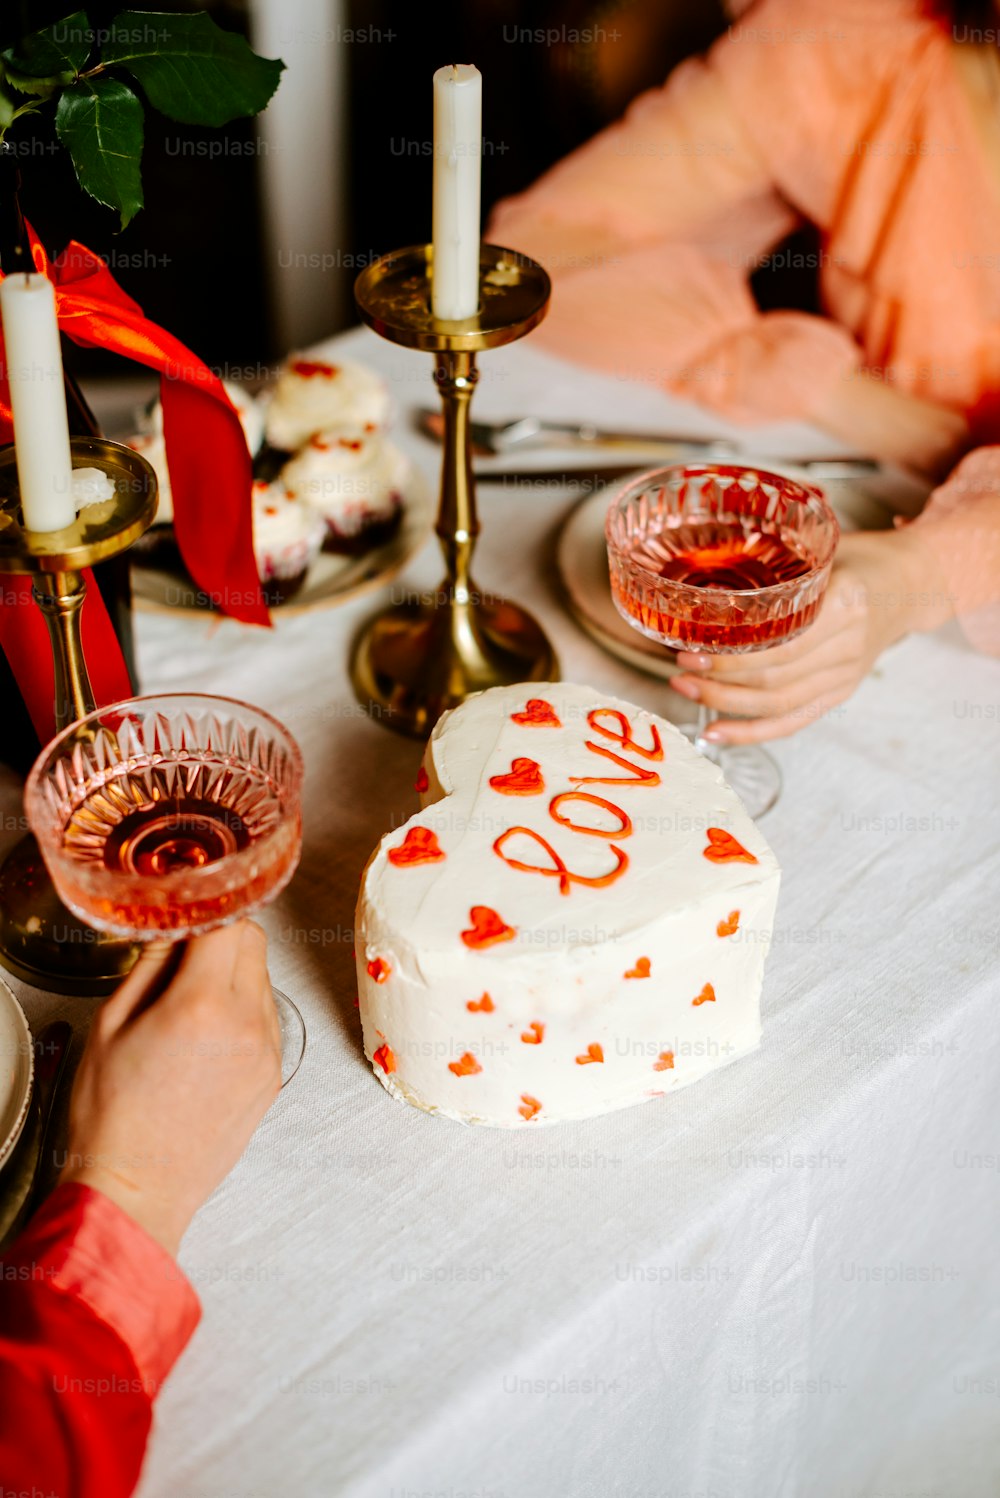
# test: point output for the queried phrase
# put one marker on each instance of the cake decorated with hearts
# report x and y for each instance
(576, 920)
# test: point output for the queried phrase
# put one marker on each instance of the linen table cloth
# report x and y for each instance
(782, 1280)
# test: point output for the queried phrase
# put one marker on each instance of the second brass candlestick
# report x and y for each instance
(419, 658)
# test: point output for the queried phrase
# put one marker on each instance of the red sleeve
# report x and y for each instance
(93, 1315)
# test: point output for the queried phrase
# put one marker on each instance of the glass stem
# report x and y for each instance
(706, 715)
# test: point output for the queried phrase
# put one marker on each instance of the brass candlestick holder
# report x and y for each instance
(419, 658)
(40, 940)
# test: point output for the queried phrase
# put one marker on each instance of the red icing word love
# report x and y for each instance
(723, 848)
(420, 845)
(623, 738)
(421, 783)
(524, 779)
(485, 1005)
(540, 713)
(379, 969)
(537, 714)
(465, 1066)
(529, 1106)
(593, 1053)
(730, 925)
(385, 1059)
(641, 970)
(707, 996)
(559, 869)
(534, 1034)
(624, 735)
(487, 928)
(639, 776)
(664, 1062)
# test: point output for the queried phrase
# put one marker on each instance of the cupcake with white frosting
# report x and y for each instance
(287, 534)
(287, 537)
(354, 479)
(316, 391)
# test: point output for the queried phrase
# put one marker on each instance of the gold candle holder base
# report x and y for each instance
(420, 657)
(41, 942)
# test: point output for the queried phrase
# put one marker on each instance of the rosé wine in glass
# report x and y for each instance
(163, 817)
(722, 559)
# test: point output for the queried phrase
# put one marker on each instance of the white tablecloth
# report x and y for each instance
(782, 1281)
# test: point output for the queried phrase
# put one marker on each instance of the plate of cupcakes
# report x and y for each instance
(337, 507)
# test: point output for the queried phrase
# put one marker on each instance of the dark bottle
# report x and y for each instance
(18, 741)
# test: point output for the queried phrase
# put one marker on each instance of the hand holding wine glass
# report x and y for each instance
(721, 561)
(175, 1079)
(879, 592)
(162, 818)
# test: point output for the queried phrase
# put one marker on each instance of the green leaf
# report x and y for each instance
(12, 108)
(8, 108)
(61, 48)
(99, 121)
(190, 68)
(43, 87)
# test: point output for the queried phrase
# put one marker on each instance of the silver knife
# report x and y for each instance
(529, 433)
(597, 475)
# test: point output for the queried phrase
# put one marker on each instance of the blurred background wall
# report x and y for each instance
(252, 235)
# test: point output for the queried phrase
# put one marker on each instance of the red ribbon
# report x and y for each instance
(210, 476)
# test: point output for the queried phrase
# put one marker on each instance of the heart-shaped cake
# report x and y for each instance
(628, 859)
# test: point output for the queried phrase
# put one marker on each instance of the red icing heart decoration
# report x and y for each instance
(664, 1062)
(524, 779)
(420, 845)
(593, 1053)
(723, 848)
(707, 996)
(537, 714)
(534, 1034)
(309, 369)
(422, 782)
(379, 969)
(465, 1066)
(485, 1005)
(385, 1059)
(730, 925)
(487, 928)
(529, 1106)
(642, 969)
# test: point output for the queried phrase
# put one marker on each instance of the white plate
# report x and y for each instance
(332, 579)
(860, 504)
(17, 1070)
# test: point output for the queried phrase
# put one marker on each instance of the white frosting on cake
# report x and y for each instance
(596, 995)
(316, 391)
(287, 534)
(351, 475)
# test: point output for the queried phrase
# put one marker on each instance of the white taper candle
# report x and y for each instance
(38, 401)
(458, 146)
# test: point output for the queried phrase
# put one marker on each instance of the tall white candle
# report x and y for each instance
(458, 147)
(38, 401)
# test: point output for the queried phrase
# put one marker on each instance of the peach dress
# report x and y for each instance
(849, 114)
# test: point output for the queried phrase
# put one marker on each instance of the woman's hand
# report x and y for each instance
(173, 1084)
(880, 588)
